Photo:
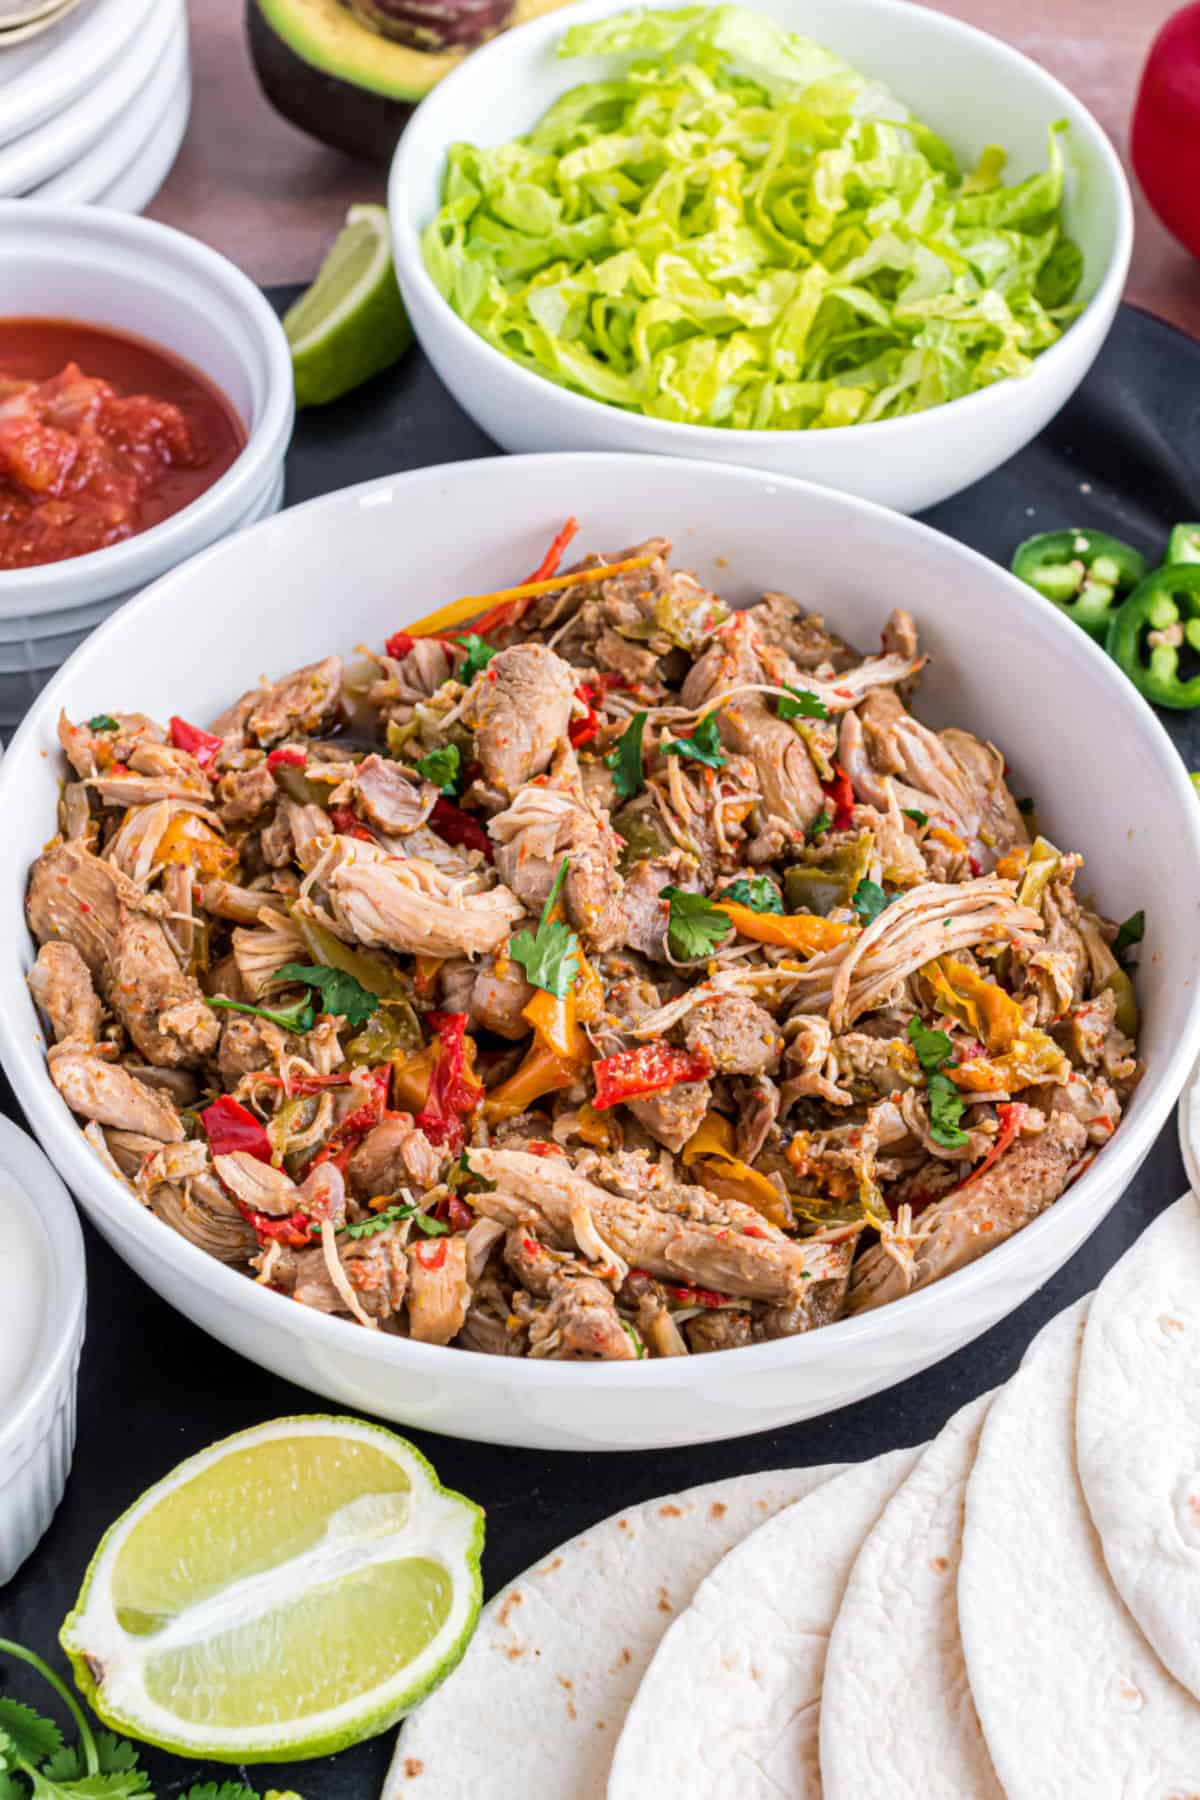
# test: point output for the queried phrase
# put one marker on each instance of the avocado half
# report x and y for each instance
(354, 85)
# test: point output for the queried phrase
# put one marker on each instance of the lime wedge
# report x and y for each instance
(286, 1592)
(351, 322)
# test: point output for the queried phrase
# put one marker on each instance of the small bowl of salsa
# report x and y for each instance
(145, 410)
(102, 436)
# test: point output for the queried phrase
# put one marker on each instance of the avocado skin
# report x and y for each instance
(334, 112)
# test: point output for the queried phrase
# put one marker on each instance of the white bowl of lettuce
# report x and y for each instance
(780, 235)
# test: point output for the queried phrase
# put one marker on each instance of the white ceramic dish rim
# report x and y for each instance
(57, 77)
(146, 556)
(54, 145)
(98, 168)
(24, 1061)
(66, 1286)
(665, 433)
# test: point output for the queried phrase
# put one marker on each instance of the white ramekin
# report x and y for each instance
(38, 1435)
(133, 275)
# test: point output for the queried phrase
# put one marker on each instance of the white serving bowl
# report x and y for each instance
(37, 1430)
(132, 275)
(968, 86)
(1005, 664)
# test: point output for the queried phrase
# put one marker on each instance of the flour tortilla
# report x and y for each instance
(729, 1706)
(1137, 1433)
(1071, 1698)
(896, 1712)
(537, 1702)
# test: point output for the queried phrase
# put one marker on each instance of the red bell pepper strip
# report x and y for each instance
(347, 823)
(498, 617)
(1165, 137)
(345, 1138)
(231, 1128)
(452, 1094)
(430, 1256)
(454, 826)
(291, 756)
(694, 1296)
(297, 1230)
(648, 1069)
(582, 731)
(399, 645)
(1010, 1113)
(840, 792)
(200, 744)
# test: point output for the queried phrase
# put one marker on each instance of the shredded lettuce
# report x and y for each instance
(733, 227)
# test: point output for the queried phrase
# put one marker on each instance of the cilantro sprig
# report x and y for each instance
(298, 1017)
(479, 655)
(704, 745)
(822, 822)
(103, 722)
(694, 925)
(759, 893)
(801, 703)
(869, 900)
(549, 955)
(339, 991)
(625, 759)
(442, 766)
(36, 1762)
(935, 1053)
(395, 1215)
(919, 818)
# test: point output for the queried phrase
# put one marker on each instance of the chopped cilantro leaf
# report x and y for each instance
(869, 900)
(934, 1049)
(801, 704)
(695, 926)
(30, 1736)
(479, 655)
(821, 823)
(297, 1017)
(945, 1110)
(759, 893)
(340, 993)
(549, 955)
(625, 759)
(441, 767)
(393, 1215)
(916, 815)
(1130, 931)
(704, 745)
(103, 722)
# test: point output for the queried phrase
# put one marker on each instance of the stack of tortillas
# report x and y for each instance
(1013, 1609)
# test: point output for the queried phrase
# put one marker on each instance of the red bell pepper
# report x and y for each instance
(554, 555)
(399, 645)
(1165, 136)
(582, 731)
(498, 617)
(291, 756)
(230, 1127)
(200, 744)
(1010, 1113)
(694, 1296)
(297, 1230)
(840, 794)
(452, 1094)
(648, 1069)
(345, 1138)
(454, 826)
(347, 823)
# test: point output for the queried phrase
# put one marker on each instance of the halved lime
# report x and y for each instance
(286, 1592)
(351, 322)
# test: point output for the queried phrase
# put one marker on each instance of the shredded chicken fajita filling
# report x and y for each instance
(618, 976)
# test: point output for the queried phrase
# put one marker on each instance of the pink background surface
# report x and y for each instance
(272, 199)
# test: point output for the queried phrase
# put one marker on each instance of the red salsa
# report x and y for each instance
(101, 436)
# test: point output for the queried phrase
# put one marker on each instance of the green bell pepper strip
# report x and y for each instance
(1184, 544)
(1166, 606)
(1083, 573)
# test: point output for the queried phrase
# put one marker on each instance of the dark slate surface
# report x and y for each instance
(1124, 455)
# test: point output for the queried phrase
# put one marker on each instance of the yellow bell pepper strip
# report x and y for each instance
(191, 843)
(410, 1079)
(555, 1024)
(960, 991)
(1043, 865)
(1013, 864)
(710, 1149)
(1034, 1058)
(541, 1073)
(806, 933)
(471, 606)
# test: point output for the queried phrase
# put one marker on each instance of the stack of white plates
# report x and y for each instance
(94, 108)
